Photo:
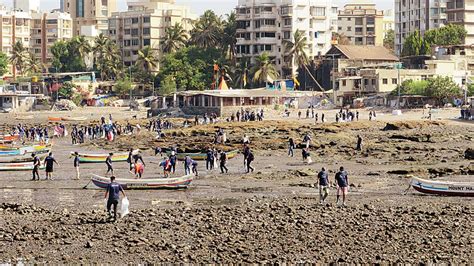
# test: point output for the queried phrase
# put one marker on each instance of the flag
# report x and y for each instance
(295, 80)
(244, 79)
(269, 79)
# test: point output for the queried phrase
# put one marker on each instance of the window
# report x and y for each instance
(134, 32)
(38, 41)
(135, 42)
(385, 81)
(268, 47)
(257, 23)
(344, 82)
(349, 28)
(126, 53)
(268, 9)
(127, 31)
(373, 82)
(286, 35)
(318, 11)
(146, 31)
(146, 42)
(269, 22)
(268, 34)
(134, 20)
(394, 81)
(287, 22)
(51, 21)
(126, 43)
(80, 8)
(146, 19)
(366, 82)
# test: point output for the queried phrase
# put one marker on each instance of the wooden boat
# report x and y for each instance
(157, 183)
(78, 119)
(54, 119)
(28, 166)
(201, 156)
(9, 138)
(11, 151)
(446, 188)
(29, 117)
(20, 158)
(100, 158)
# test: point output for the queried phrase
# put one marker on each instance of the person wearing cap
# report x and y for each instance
(76, 165)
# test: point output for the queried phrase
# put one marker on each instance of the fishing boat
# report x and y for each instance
(54, 119)
(156, 183)
(75, 119)
(28, 166)
(201, 156)
(446, 188)
(100, 158)
(20, 158)
(12, 151)
(9, 138)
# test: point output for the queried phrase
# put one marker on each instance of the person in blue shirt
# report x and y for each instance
(112, 194)
(195, 167)
(173, 160)
(342, 183)
(49, 161)
(209, 160)
(323, 183)
(187, 165)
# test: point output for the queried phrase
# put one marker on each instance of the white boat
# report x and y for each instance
(156, 183)
(446, 188)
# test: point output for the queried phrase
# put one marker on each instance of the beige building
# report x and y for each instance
(144, 24)
(361, 23)
(462, 12)
(388, 22)
(46, 29)
(86, 13)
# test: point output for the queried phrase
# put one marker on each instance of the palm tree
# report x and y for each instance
(83, 47)
(147, 59)
(229, 39)
(33, 64)
(264, 69)
(240, 73)
(296, 50)
(107, 57)
(207, 30)
(175, 38)
(18, 58)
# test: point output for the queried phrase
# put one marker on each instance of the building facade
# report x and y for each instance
(87, 13)
(26, 5)
(361, 23)
(144, 24)
(46, 29)
(264, 25)
(388, 22)
(462, 12)
(421, 16)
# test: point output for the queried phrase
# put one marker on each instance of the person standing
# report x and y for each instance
(36, 166)
(76, 165)
(357, 115)
(250, 159)
(342, 183)
(173, 160)
(246, 154)
(291, 147)
(129, 160)
(307, 140)
(209, 160)
(112, 194)
(108, 162)
(322, 118)
(187, 165)
(223, 162)
(195, 168)
(323, 184)
(359, 143)
(49, 161)
(139, 169)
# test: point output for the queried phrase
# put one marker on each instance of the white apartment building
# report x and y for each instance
(86, 13)
(388, 21)
(26, 5)
(411, 16)
(144, 24)
(262, 25)
(14, 26)
(46, 29)
(462, 12)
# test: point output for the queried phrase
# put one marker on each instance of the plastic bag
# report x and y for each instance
(124, 207)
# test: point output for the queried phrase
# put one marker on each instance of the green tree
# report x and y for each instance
(207, 30)
(295, 52)
(67, 90)
(175, 38)
(146, 63)
(229, 39)
(470, 90)
(451, 34)
(411, 87)
(264, 69)
(83, 47)
(123, 87)
(415, 45)
(18, 58)
(443, 88)
(167, 86)
(107, 58)
(33, 65)
(389, 40)
(66, 57)
(3, 64)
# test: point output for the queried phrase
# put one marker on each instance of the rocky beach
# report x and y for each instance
(270, 216)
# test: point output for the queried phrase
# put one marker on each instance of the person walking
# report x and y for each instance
(291, 147)
(223, 162)
(76, 163)
(323, 184)
(195, 167)
(36, 167)
(49, 161)
(130, 160)
(250, 159)
(173, 159)
(209, 160)
(112, 194)
(342, 183)
(246, 154)
(108, 162)
(359, 143)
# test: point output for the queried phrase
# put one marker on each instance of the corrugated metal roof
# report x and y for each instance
(249, 93)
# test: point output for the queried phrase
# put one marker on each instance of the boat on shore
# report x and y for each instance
(9, 138)
(28, 166)
(13, 151)
(74, 119)
(445, 188)
(201, 156)
(155, 183)
(100, 158)
(21, 158)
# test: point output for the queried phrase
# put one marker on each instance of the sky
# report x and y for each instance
(221, 7)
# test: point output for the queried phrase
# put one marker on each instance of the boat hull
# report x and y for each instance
(443, 188)
(130, 184)
(100, 158)
(201, 156)
(18, 167)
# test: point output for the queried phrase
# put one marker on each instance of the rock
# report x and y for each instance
(89, 244)
(469, 154)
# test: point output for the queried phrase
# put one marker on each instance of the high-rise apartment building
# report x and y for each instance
(461, 12)
(46, 29)
(90, 13)
(14, 27)
(263, 25)
(419, 15)
(144, 24)
(388, 21)
(26, 5)
(361, 23)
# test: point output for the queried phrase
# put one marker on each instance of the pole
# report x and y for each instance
(130, 73)
(399, 84)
